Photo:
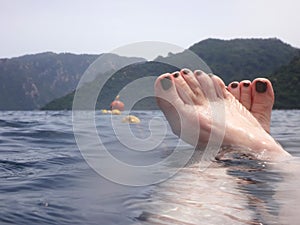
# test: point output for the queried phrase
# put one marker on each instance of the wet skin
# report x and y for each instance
(256, 96)
(189, 100)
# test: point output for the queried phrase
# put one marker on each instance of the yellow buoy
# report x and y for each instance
(116, 112)
(104, 111)
(131, 119)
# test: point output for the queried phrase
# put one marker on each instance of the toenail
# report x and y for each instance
(176, 74)
(234, 85)
(260, 86)
(246, 84)
(166, 83)
(185, 71)
(198, 72)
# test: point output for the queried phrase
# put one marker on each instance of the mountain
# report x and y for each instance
(115, 84)
(31, 81)
(232, 60)
(286, 82)
(240, 59)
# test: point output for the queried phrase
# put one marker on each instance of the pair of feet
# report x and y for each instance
(188, 100)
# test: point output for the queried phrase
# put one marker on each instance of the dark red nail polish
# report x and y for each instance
(185, 72)
(261, 87)
(198, 72)
(234, 85)
(246, 84)
(176, 74)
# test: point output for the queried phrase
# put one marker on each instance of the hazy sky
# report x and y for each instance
(97, 26)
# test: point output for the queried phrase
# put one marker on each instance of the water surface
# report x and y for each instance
(45, 180)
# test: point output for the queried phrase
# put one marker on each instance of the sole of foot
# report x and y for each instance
(190, 100)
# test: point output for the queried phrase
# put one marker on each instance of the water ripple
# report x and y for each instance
(44, 179)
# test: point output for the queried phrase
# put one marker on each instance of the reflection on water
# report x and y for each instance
(45, 180)
(236, 191)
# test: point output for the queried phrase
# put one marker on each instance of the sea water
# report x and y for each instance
(46, 180)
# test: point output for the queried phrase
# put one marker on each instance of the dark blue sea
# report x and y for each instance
(45, 179)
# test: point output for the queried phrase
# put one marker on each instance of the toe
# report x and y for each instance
(262, 94)
(219, 86)
(191, 80)
(234, 89)
(206, 85)
(166, 92)
(184, 90)
(169, 101)
(245, 93)
(262, 101)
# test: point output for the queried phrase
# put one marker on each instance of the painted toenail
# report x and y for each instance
(199, 72)
(166, 83)
(210, 75)
(176, 74)
(234, 85)
(246, 84)
(185, 71)
(260, 86)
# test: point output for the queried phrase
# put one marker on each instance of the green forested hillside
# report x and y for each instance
(286, 82)
(113, 86)
(244, 58)
(29, 82)
(232, 60)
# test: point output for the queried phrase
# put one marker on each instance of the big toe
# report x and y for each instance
(168, 100)
(262, 101)
(179, 103)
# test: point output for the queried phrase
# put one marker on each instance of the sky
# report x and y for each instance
(99, 26)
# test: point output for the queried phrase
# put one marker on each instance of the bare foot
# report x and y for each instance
(187, 99)
(257, 97)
